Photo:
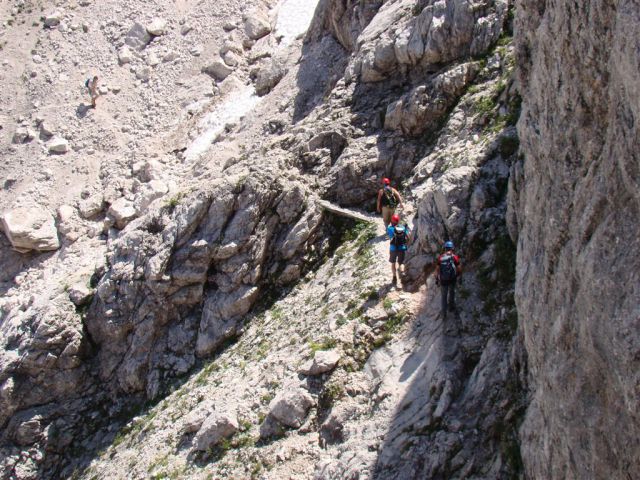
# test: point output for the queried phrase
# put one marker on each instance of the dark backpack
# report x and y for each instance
(399, 238)
(448, 271)
(388, 198)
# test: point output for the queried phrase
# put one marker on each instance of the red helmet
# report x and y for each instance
(386, 181)
(395, 219)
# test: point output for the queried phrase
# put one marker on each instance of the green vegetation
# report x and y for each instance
(174, 201)
(327, 343)
(331, 393)
(134, 428)
(370, 295)
(391, 327)
(277, 313)
(206, 372)
(261, 351)
(485, 105)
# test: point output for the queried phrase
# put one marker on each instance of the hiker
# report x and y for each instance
(92, 85)
(400, 237)
(448, 269)
(388, 199)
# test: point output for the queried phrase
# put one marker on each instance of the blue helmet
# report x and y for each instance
(448, 245)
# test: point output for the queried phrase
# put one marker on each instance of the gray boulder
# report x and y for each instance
(125, 55)
(23, 135)
(53, 19)
(268, 76)
(58, 145)
(157, 27)
(137, 37)
(290, 407)
(91, 206)
(80, 294)
(323, 361)
(194, 419)
(122, 211)
(218, 426)
(218, 69)
(256, 24)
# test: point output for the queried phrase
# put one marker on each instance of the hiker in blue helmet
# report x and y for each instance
(448, 269)
(400, 237)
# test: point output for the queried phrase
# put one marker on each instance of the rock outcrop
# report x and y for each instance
(217, 274)
(575, 207)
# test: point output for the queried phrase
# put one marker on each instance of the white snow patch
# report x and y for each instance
(231, 110)
(293, 19)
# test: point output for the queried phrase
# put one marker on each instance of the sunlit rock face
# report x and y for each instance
(575, 206)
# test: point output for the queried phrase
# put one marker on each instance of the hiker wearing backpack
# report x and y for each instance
(92, 86)
(388, 200)
(399, 236)
(448, 269)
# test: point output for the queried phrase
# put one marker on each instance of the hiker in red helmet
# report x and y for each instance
(388, 200)
(400, 237)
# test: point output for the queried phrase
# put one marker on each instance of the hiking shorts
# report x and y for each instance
(396, 255)
(387, 213)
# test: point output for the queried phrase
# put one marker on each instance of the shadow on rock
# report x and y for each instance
(82, 109)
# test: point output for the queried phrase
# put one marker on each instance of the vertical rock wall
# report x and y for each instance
(576, 205)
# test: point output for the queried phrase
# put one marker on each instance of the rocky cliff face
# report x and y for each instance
(202, 284)
(575, 211)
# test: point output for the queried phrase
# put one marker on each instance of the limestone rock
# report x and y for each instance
(218, 69)
(143, 73)
(422, 108)
(91, 206)
(125, 55)
(151, 191)
(58, 145)
(323, 361)
(122, 211)
(45, 129)
(290, 407)
(268, 76)
(153, 60)
(30, 229)
(157, 27)
(231, 58)
(256, 24)
(80, 294)
(577, 268)
(137, 37)
(53, 19)
(220, 317)
(194, 419)
(23, 135)
(218, 426)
